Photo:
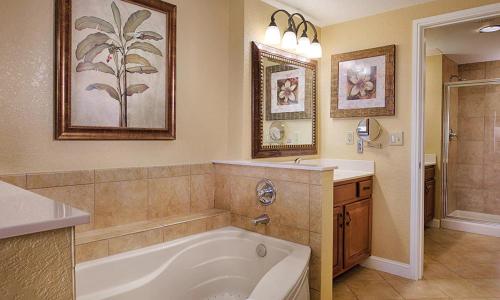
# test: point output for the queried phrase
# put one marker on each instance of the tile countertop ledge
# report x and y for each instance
(345, 169)
(281, 165)
(23, 212)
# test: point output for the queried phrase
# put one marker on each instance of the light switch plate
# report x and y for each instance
(349, 137)
(396, 138)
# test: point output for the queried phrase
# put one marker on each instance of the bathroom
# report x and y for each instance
(264, 204)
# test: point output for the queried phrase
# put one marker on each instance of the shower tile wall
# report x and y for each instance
(475, 181)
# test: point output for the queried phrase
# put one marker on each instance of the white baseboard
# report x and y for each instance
(472, 227)
(388, 266)
(434, 223)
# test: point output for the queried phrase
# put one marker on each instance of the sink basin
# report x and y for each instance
(313, 162)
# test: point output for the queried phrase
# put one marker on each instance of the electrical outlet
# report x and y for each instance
(396, 139)
(349, 137)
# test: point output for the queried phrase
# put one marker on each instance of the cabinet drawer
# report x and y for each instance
(429, 173)
(365, 188)
(344, 193)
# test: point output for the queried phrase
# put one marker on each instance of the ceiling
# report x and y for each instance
(327, 12)
(463, 43)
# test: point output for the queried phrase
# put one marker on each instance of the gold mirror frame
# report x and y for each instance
(259, 150)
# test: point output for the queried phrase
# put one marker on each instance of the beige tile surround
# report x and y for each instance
(136, 207)
(113, 240)
(130, 201)
(122, 196)
(295, 216)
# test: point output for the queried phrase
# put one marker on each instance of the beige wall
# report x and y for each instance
(433, 118)
(391, 228)
(27, 98)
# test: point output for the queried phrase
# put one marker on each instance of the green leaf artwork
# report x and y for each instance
(123, 45)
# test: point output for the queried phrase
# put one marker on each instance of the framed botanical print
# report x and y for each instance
(115, 69)
(363, 83)
(287, 93)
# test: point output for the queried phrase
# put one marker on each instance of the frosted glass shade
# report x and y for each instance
(303, 45)
(289, 40)
(273, 35)
(315, 50)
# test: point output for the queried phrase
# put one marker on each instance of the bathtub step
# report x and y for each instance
(99, 243)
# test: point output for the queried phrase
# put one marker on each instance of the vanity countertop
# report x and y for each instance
(311, 165)
(344, 169)
(23, 212)
(348, 169)
(430, 160)
(344, 175)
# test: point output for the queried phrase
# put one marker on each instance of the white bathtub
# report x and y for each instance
(219, 264)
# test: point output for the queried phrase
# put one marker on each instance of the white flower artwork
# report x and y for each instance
(288, 91)
(362, 83)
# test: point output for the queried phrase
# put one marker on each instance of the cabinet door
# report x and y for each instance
(429, 191)
(357, 232)
(338, 230)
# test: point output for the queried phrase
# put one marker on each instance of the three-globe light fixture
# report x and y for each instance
(289, 40)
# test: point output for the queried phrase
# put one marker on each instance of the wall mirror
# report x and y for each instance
(368, 129)
(283, 103)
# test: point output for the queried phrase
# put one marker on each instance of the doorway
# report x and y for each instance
(417, 162)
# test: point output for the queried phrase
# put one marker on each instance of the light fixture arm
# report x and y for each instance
(290, 39)
(273, 19)
(296, 28)
(315, 39)
(291, 23)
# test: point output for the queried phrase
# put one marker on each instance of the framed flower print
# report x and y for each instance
(363, 83)
(288, 94)
(115, 69)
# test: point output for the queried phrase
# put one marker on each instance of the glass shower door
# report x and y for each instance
(471, 150)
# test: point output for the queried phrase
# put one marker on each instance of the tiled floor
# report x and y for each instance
(458, 265)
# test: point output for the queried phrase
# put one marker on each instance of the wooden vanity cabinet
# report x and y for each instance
(352, 223)
(429, 193)
(338, 238)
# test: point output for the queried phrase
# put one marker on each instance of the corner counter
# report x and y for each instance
(23, 212)
(36, 245)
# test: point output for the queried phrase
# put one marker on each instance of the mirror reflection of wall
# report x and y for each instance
(287, 103)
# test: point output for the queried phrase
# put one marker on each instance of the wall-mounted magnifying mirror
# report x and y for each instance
(368, 131)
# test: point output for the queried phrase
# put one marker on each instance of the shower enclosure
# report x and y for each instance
(471, 156)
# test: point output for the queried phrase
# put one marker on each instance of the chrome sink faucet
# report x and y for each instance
(262, 219)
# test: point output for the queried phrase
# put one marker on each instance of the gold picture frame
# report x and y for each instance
(363, 83)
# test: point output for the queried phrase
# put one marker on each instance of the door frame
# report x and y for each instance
(417, 126)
